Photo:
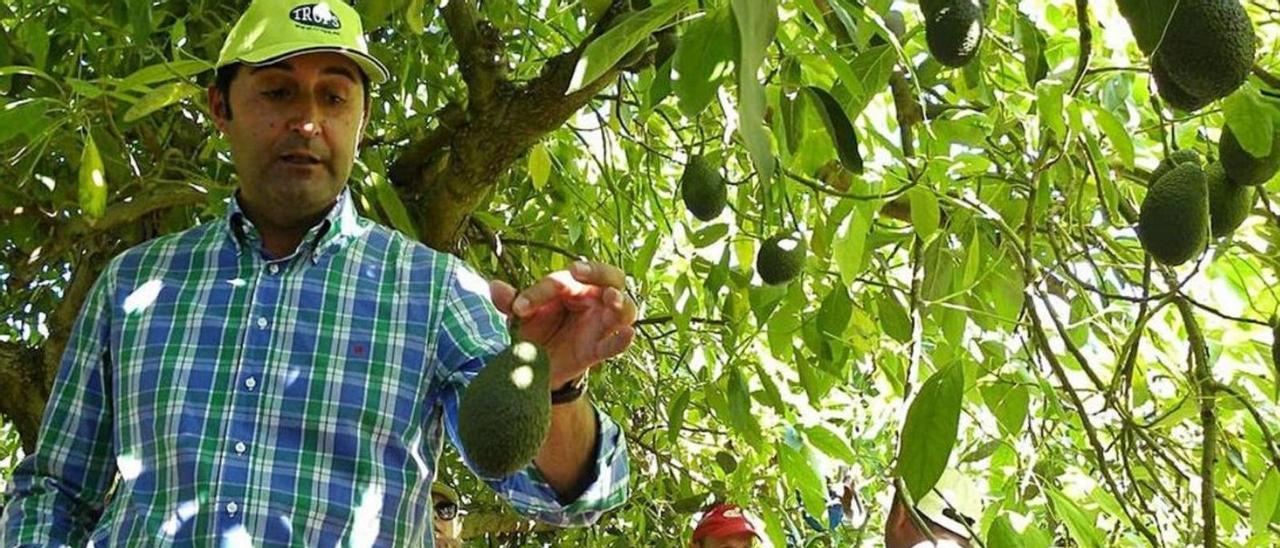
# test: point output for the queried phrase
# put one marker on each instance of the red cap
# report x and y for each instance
(723, 520)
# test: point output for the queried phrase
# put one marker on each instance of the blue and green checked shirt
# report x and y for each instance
(209, 395)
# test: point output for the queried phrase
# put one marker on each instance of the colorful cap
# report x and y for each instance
(271, 31)
(723, 520)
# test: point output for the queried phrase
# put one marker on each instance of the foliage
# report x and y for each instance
(979, 218)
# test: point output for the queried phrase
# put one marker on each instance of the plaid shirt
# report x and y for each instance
(210, 395)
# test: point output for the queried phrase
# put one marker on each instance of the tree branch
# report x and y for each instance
(1208, 420)
(23, 390)
(480, 53)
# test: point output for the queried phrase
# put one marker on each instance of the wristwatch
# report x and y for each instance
(571, 390)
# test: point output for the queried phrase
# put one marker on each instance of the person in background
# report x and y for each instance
(724, 526)
(446, 521)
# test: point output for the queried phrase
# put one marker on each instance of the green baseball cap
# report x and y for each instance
(271, 31)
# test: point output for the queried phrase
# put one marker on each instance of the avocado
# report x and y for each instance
(1175, 158)
(1171, 92)
(1229, 203)
(704, 191)
(781, 258)
(505, 412)
(953, 30)
(1173, 224)
(1244, 168)
(1206, 52)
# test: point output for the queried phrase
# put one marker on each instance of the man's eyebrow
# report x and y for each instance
(335, 70)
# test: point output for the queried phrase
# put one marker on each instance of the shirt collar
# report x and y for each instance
(338, 227)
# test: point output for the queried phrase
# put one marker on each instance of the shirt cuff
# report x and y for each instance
(608, 489)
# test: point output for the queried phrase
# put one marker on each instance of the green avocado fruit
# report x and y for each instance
(954, 31)
(704, 191)
(1229, 203)
(1175, 158)
(781, 257)
(1206, 52)
(1245, 168)
(1173, 224)
(505, 412)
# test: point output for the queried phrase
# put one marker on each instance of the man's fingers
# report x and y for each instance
(593, 273)
(502, 293)
(548, 288)
(615, 344)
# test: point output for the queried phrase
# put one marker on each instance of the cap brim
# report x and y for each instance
(372, 67)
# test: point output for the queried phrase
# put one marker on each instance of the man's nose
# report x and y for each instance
(306, 119)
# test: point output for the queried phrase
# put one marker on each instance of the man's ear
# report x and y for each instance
(217, 107)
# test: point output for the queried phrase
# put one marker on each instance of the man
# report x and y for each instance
(724, 526)
(286, 374)
(447, 524)
(944, 525)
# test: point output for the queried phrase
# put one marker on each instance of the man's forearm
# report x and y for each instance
(567, 454)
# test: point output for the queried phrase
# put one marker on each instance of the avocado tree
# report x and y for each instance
(912, 241)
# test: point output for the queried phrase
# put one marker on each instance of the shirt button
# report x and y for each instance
(262, 322)
(250, 383)
(232, 507)
(240, 447)
(274, 269)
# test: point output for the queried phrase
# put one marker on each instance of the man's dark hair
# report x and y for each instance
(224, 75)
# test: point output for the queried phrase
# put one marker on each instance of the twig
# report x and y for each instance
(1208, 419)
(1267, 78)
(1086, 44)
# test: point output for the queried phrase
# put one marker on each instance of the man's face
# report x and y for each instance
(294, 130)
(741, 540)
(447, 531)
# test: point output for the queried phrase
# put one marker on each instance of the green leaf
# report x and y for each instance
(770, 395)
(838, 127)
(1035, 65)
(925, 213)
(389, 201)
(1009, 403)
(140, 19)
(833, 316)
(413, 16)
(849, 246)
(159, 98)
(757, 22)
(709, 235)
(675, 415)
(1079, 524)
(23, 117)
(799, 468)
(815, 381)
(1266, 500)
(607, 49)
(163, 72)
(929, 432)
(703, 58)
(1049, 106)
(34, 35)
(1002, 535)
(1253, 130)
(740, 416)
(1120, 139)
(539, 166)
(93, 182)
(831, 443)
(893, 317)
(374, 12)
(875, 67)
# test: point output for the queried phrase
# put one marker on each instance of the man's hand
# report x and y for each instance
(580, 317)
